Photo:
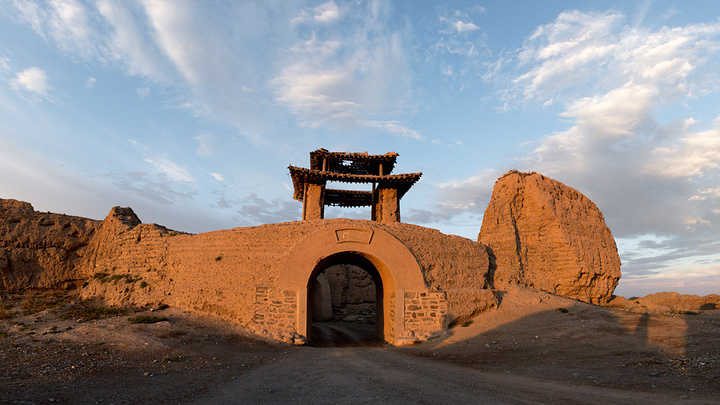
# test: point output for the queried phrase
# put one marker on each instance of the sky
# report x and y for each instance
(191, 111)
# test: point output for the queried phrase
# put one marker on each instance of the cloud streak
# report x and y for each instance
(355, 77)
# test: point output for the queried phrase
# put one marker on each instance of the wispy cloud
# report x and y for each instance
(330, 65)
(615, 148)
(458, 197)
(141, 185)
(459, 45)
(90, 82)
(204, 145)
(64, 22)
(327, 12)
(171, 169)
(612, 82)
(351, 77)
(4, 65)
(254, 209)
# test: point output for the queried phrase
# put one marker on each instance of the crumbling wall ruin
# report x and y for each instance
(549, 236)
(232, 274)
(538, 231)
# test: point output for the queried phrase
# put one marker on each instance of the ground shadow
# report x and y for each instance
(593, 345)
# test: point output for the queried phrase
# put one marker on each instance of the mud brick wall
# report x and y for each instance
(425, 313)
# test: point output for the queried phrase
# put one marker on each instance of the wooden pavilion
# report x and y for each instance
(384, 198)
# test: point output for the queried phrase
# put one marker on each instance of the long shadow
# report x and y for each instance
(344, 334)
(593, 345)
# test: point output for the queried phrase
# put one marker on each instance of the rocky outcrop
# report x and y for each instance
(546, 235)
(41, 250)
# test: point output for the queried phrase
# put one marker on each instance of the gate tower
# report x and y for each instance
(384, 198)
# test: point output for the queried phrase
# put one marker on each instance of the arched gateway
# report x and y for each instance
(402, 291)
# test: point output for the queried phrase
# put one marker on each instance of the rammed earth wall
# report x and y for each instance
(233, 274)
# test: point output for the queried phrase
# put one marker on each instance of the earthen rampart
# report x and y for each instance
(429, 279)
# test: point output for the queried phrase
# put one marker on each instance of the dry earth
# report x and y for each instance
(534, 348)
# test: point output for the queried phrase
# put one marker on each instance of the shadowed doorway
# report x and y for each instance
(345, 302)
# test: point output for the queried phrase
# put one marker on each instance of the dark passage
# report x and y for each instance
(343, 300)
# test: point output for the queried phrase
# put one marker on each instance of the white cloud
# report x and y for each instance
(170, 169)
(692, 155)
(614, 84)
(613, 80)
(218, 176)
(143, 92)
(170, 20)
(200, 53)
(65, 22)
(4, 65)
(327, 12)
(706, 193)
(206, 56)
(465, 27)
(90, 82)
(128, 42)
(204, 145)
(33, 80)
(458, 197)
(395, 128)
(349, 78)
(460, 48)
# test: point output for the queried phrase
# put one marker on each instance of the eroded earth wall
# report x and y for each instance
(547, 235)
(231, 273)
(42, 250)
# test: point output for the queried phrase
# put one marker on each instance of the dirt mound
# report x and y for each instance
(549, 236)
(668, 302)
(41, 250)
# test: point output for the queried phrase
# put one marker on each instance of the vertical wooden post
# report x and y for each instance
(314, 201)
(373, 204)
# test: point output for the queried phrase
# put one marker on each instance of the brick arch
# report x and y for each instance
(398, 269)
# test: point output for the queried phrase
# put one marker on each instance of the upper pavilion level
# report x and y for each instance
(384, 197)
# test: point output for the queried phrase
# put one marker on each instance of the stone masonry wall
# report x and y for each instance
(275, 313)
(425, 313)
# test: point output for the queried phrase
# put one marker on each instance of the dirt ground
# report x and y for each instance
(534, 348)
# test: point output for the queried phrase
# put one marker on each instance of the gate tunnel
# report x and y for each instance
(393, 268)
(321, 308)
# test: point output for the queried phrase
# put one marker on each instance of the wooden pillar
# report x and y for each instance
(387, 208)
(373, 203)
(313, 201)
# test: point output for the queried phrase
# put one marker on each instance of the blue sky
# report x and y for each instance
(190, 112)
